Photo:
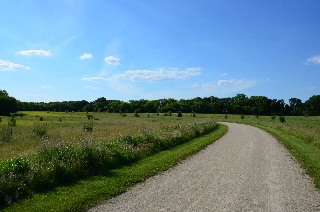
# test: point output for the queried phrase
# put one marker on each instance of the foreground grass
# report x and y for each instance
(86, 193)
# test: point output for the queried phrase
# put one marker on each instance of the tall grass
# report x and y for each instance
(64, 163)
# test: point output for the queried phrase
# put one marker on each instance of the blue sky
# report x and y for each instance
(65, 50)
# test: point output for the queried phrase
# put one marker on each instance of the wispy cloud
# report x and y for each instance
(35, 52)
(91, 87)
(224, 74)
(112, 60)
(159, 74)
(232, 85)
(10, 66)
(86, 56)
(314, 59)
(307, 89)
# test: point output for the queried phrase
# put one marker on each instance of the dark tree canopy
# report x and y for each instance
(7, 104)
(240, 104)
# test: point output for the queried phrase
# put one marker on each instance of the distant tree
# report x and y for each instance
(296, 107)
(313, 106)
(7, 104)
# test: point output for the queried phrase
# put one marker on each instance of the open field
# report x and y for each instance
(68, 128)
(44, 152)
(65, 131)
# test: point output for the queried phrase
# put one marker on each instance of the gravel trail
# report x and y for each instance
(246, 170)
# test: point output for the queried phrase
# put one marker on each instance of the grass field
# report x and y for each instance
(130, 139)
(46, 150)
(68, 128)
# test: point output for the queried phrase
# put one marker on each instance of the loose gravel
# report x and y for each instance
(246, 170)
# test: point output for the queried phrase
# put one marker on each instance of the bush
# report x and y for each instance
(242, 116)
(39, 130)
(282, 119)
(12, 121)
(179, 114)
(88, 128)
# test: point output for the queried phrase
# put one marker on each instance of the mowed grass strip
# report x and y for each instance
(91, 191)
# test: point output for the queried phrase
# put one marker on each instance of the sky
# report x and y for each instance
(69, 50)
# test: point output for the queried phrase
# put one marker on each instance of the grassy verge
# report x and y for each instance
(86, 193)
(300, 135)
(305, 152)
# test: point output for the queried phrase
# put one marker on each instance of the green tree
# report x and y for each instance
(313, 106)
(7, 104)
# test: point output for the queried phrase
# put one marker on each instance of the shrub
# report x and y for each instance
(87, 128)
(282, 119)
(242, 116)
(136, 114)
(39, 130)
(179, 114)
(12, 121)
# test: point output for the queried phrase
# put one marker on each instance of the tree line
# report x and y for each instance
(240, 104)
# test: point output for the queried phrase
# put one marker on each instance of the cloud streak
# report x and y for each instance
(159, 74)
(35, 52)
(232, 85)
(10, 66)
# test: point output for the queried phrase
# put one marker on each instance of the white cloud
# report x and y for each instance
(160, 74)
(314, 59)
(91, 87)
(151, 76)
(86, 56)
(10, 66)
(95, 78)
(232, 85)
(112, 60)
(230, 82)
(35, 52)
(224, 74)
(307, 89)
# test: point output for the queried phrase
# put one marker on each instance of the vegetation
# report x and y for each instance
(48, 159)
(240, 104)
(7, 104)
(86, 193)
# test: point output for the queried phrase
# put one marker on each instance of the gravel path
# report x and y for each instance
(246, 170)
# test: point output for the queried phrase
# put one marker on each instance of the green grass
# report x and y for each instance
(86, 193)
